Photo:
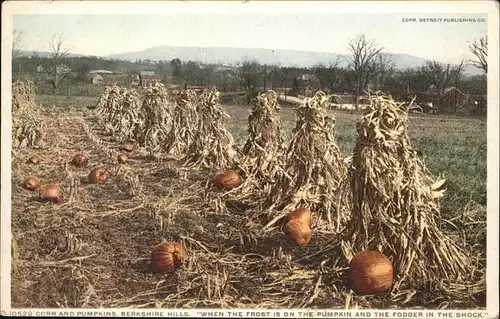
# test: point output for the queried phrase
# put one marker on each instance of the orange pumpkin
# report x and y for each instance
(31, 183)
(50, 193)
(128, 147)
(370, 272)
(228, 180)
(122, 158)
(80, 159)
(168, 256)
(34, 160)
(303, 214)
(298, 231)
(98, 175)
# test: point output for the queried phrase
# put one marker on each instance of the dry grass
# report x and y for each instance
(396, 209)
(93, 249)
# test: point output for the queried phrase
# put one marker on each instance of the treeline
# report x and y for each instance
(367, 68)
(252, 77)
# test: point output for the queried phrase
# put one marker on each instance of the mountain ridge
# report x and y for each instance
(235, 55)
(283, 57)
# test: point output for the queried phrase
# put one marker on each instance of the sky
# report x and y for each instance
(110, 34)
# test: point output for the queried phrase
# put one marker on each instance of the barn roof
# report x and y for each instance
(96, 75)
(147, 73)
(452, 88)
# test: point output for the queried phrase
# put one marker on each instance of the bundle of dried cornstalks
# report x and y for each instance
(124, 118)
(157, 117)
(184, 124)
(102, 100)
(212, 146)
(27, 124)
(264, 148)
(314, 174)
(112, 104)
(395, 207)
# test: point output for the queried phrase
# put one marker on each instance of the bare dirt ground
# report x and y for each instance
(93, 249)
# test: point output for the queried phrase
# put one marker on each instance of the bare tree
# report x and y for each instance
(208, 73)
(163, 68)
(17, 41)
(403, 84)
(334, 74)
(383, 68)
(441, 76)
(480, 50)
(457, 78)
(329, 76)
(363, 52)
(249, 74)
(57, 57)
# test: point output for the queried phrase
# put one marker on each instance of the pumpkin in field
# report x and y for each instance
(370, 272)
(228, 180)
(127, 147)
(34, 159)
(98, 175)
(50, 193)
(298, 231)
(167, 256)
(303, 214)
(80, 159)
(122, 158)
(31, 183)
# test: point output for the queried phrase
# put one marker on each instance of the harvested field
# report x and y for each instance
(93, 249)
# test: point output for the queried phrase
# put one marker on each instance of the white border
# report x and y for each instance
(261, 7)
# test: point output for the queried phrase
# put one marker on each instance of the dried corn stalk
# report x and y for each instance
(111, 106)
(184, 124)
(23, 97)
(157, 117)
(395, 204)
(213, 145)
(315, 173)
(128, 122)
(102, 100)
(27, 124)
(121, 113)
(264, 148)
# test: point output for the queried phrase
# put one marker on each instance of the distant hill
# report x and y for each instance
(231, 56)
(46, 54)
(227, 55)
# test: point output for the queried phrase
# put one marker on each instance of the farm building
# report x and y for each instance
(306, 84)
(148, 78)
(451, 98)
(96, 78)
(135, 80)
(454, 98)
